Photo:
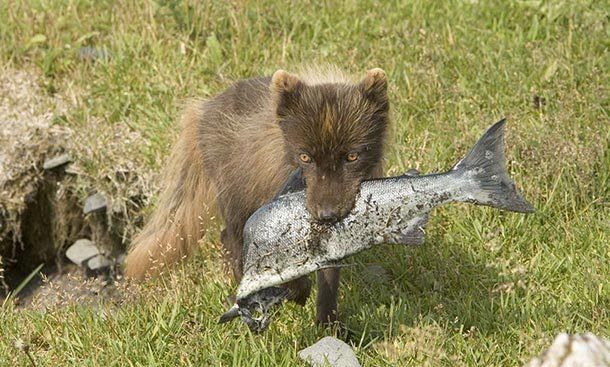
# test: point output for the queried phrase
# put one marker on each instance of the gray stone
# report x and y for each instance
(575, 351)
(329, 351)
(98, 262)
(95, 202)
(55, 162)
(81, 251)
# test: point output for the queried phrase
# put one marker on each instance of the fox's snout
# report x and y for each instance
(330, 215)
(327, 215)
(330, 204)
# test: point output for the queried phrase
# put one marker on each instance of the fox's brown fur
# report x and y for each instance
(237, 149)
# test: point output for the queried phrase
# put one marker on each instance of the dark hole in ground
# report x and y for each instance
(52, 221)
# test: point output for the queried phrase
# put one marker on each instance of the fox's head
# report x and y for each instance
(335, 132)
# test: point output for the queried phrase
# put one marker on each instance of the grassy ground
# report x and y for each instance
(488, 288)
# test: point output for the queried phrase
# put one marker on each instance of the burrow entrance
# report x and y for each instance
(53, 219)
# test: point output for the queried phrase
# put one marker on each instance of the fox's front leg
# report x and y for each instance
(328, 294)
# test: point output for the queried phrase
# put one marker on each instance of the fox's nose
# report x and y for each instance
(327, 215)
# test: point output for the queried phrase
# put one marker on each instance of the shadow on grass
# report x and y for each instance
(438, 283)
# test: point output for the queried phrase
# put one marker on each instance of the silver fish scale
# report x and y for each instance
(286, 242)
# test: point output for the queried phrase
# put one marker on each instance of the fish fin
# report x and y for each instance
(487, 164)
(412, 172)
(231, 314)
(415, 235)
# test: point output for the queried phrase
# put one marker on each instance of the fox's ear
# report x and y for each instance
(287, 90)
(375, 85)
(284, 82)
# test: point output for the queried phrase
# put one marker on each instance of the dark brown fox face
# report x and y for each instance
(335, 133)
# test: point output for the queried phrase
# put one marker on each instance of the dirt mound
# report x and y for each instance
(27, 137)
(47, 172)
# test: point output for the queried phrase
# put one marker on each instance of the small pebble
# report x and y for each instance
(81, 251)
(329, 351)
(575, 351)
(95, 202)
(98, 262)
(55, 162)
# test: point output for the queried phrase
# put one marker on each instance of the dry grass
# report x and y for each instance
(26, 138)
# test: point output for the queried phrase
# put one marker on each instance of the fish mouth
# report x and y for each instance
(328, 221)
(340, 216)
(324, 224)
(256, 309)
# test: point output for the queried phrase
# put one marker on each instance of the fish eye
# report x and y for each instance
(352, 157)
(305, 158)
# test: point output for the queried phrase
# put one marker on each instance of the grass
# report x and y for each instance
(487, 288)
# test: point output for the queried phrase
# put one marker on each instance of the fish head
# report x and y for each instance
(335, 132)
(256, 309)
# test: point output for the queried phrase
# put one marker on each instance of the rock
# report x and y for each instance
(98, 262)
(95, 202)
(575, 351)
(81, 251)
(56, 161)
(329, 351)
(99, 267)
(85, 253)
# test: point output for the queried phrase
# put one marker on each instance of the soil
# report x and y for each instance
(71, 286)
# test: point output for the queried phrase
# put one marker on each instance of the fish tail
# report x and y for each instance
(486, 165)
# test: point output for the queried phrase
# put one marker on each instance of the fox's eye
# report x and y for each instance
(352, 157)
(305, 158)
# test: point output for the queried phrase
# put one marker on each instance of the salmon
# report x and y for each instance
(283, 242)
